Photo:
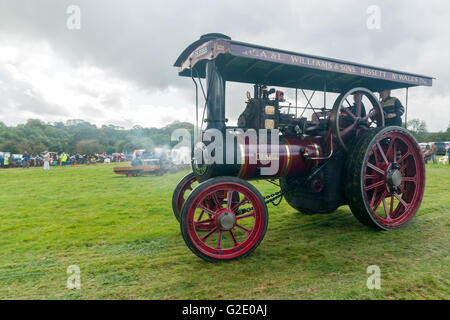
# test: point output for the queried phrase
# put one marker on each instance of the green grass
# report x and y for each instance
(122, 234)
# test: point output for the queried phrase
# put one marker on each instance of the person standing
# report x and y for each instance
(433, 152)
(357, 100)
(392, 109)
(25, 160)
(6, 161)
(46, 161)
(63, 159)
(37, 161)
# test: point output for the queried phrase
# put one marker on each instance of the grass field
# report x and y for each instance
(122, 234)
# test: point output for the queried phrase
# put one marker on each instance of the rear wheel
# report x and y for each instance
(217, 227)
(385, 178)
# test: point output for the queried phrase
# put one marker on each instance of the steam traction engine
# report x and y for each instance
(342, 155)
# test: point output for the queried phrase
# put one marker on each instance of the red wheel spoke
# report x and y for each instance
(374, 152)
(394, 152)
(383, 155)
(234, 238)
(386, 209)
(245, 216)
(201, 215)
(370, 176)
(375, 207)
(206, 236)
(219, 240)
(375, 168)
(216, 200)
(207, 210)
(230, 199)
(409, 179)
(390, 152)
(243, 228)
(375, 185)
(374, 197)
(404, 157)
(239, 204)
(203, 221)
(401, 201)
(391, 210)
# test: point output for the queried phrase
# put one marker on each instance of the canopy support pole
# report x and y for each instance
(296, 102)
(406, 109)
(196, 105)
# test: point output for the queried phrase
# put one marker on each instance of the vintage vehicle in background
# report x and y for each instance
(441, 148)
(143, 163)
(343, 155)
(144, 167)
(118, 157)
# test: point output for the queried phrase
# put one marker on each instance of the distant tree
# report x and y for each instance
(418, 128)
(89, 147)
(81, 136)
(9, 146)
(417, 125)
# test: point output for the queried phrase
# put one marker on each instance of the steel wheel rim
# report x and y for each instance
(213, 241)
(393, 208)
(182, 195)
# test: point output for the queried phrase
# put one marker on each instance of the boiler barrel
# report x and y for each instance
(293, 158)
(259, 161)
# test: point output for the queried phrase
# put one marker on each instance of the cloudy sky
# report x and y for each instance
(117, 68)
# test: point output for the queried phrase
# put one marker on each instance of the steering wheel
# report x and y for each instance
(347, 124)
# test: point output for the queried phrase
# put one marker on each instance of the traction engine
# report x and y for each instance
(342, 155)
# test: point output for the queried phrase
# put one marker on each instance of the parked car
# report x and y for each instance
(441, 148)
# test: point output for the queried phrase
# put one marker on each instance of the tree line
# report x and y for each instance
(419, 129)
(79, 136)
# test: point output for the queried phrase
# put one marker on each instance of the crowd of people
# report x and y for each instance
(49, 159)
(430, 151)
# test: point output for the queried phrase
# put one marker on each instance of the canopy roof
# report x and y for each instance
(249, 63)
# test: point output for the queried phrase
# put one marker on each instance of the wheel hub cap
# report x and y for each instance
(226, 220)
(393, 178)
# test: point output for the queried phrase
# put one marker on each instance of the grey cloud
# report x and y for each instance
(140, 40)
(20, 96)
(112, 101)
(92, 112)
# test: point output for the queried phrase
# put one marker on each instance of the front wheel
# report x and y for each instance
(182, 190)
(215, 226)
(385, 178)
